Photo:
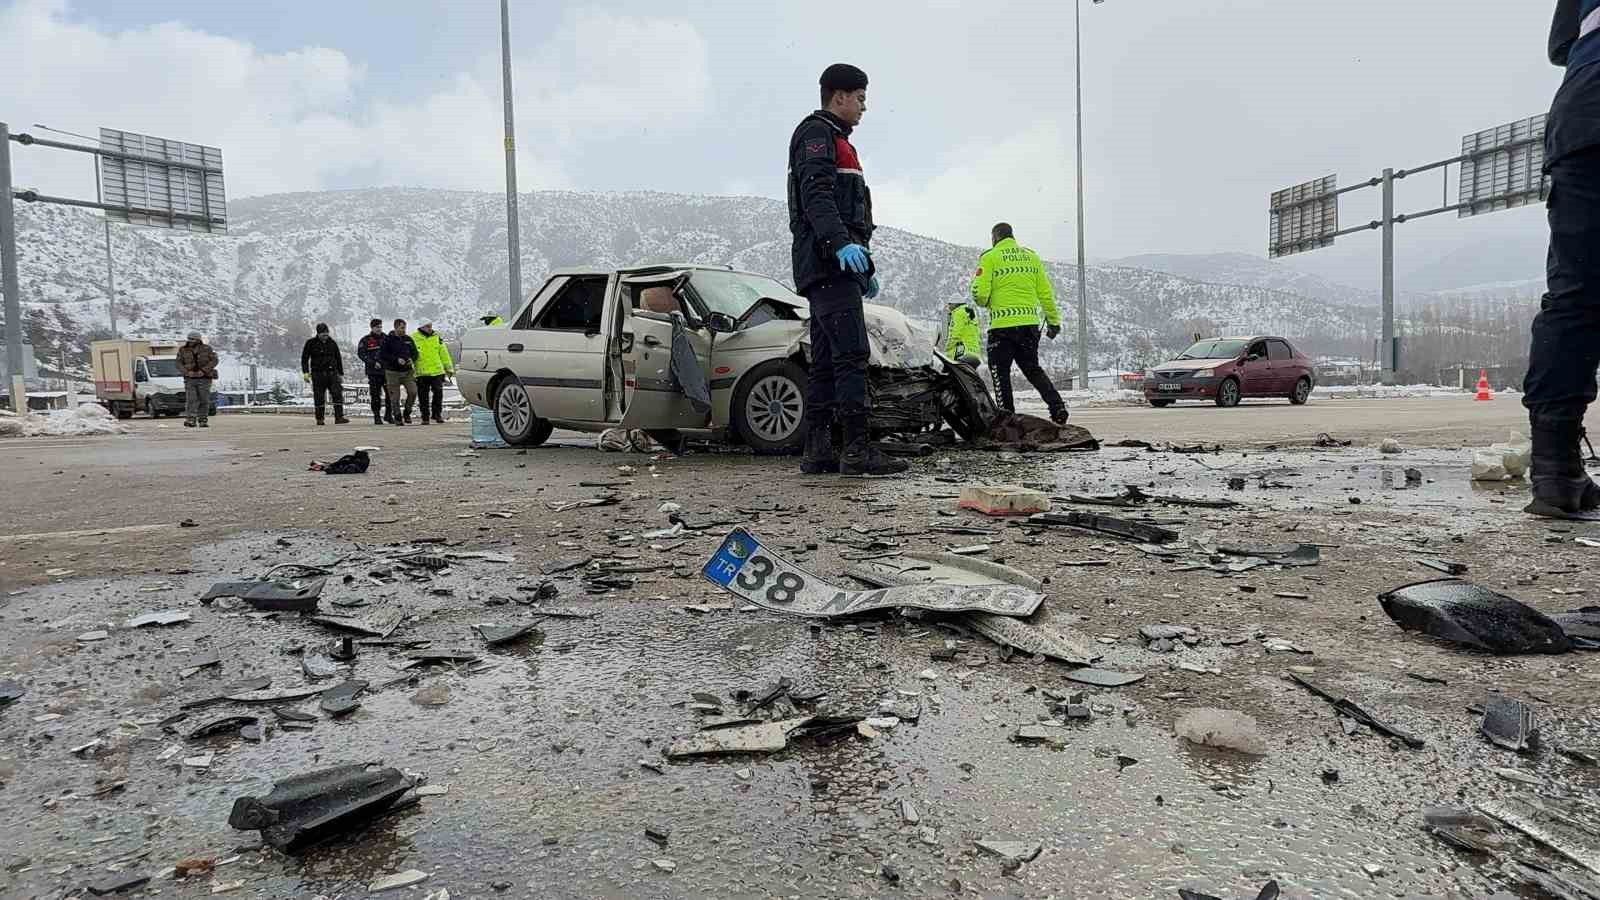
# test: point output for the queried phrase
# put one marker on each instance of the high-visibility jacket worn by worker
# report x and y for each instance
(1011, 283)
(963, 330)
(433, 357)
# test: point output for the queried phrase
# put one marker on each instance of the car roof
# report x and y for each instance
(652, 268)
(1245, 337)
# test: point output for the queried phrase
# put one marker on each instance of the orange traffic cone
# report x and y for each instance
(1483, 386)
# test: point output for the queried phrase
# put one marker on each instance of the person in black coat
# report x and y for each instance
(323, 368)
(367, 350)
(398, 356)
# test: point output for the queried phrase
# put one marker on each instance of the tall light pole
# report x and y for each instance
(513, 239)
(1083, 278)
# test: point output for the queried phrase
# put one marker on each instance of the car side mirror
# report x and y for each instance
(721, 323)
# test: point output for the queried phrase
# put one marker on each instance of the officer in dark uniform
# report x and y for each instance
(830, 216)
(1566, 334)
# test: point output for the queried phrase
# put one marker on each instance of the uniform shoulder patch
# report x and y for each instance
(817, 147)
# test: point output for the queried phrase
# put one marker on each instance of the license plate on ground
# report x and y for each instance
(1169, 386)
(743, 566)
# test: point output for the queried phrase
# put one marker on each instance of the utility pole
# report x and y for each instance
(8, 277)
(513, 239)
(1083, 278)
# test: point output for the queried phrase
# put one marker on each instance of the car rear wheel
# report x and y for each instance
(1160, 404)
(1302, 391)
(769, 407)
(514, 418)
(122, 410)
(1228, 392)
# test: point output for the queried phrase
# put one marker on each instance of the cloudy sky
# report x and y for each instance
(1194, 110)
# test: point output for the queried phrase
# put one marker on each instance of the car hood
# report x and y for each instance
(1189, 365)
(173, 383)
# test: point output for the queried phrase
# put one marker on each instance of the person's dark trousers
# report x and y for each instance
(1020, 345)
(430, 397)
(1565, 346)
(375, 389)
(836, 386)
(321, 387)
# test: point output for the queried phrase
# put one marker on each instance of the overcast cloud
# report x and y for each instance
(1195, 111)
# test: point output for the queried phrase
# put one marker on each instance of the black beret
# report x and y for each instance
(843, 77)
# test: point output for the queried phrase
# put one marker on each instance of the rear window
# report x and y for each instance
(578, 307)
(1279, 350)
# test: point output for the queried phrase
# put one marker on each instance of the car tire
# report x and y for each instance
(769, 407)
(1161, 404)
(1302, 391)
(122, 410)
(514, 418)
(1228, 393)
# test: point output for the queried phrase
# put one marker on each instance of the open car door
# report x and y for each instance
(655, 398)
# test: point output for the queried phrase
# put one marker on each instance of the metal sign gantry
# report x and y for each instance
(1501, 168)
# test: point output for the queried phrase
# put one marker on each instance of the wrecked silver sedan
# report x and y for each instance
(677, 350)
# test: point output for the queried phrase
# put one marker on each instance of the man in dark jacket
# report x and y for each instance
(830, 216)
(323, 368)
(367, 349)
(1566, 334)
(398, 355)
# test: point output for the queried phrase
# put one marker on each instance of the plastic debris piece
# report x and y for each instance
(220, 726)
(307, 808)
(1346, 707)
(342, 699)
(1462, 829)
(1299, 555)
(1104, 677)
(497, 635)
(116, 884)
(1224, 729)
(398, 880)
(765, 737)
(1553, 823)
(1002, 500)
(379, 624)
(164, 617)
(1507, 722)
(1015, 851)
(1473, 615)
(1069, 646)
(1039, 734)
(1123, 528)
(10, 691)
(271, 595)
(1560, 885)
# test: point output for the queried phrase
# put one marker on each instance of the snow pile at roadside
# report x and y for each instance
(1384, 392)
(85, 420)
(1028, 400)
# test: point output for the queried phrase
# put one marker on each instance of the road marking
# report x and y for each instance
(90, 532)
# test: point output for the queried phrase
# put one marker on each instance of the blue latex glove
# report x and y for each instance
(872, 288)
(852, 258)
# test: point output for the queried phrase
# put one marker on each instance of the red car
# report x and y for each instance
(1228, 369)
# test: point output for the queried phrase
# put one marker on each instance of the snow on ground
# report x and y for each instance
(84, 420)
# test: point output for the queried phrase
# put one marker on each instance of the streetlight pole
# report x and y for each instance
(1083, 282)
(513, 239)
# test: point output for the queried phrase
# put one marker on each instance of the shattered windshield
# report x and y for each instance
(1213, 349)
(735, 292)
(162, 368)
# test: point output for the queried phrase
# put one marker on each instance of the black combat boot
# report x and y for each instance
(820, 457)
(1560, 485)
(862, 460)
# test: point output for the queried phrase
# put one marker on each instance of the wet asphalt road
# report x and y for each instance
(540, 749)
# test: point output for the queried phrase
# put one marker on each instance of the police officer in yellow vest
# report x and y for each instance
(1011, 283)
(961, 330)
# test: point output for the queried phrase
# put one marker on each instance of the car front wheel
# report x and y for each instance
(769, 407)
(1302, 392)
(1228, 392)
(514, 418)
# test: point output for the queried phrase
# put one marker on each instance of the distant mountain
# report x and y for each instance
(342, 257)
(1242, 268)
(1518, 261)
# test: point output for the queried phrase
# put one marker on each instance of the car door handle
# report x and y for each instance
(513, 348)
(651, 340)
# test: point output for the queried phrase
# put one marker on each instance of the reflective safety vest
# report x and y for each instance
(962, 328)
(1011, 283)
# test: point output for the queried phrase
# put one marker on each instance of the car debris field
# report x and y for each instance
(1197, 659)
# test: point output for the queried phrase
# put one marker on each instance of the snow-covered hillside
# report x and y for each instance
(344, 257)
